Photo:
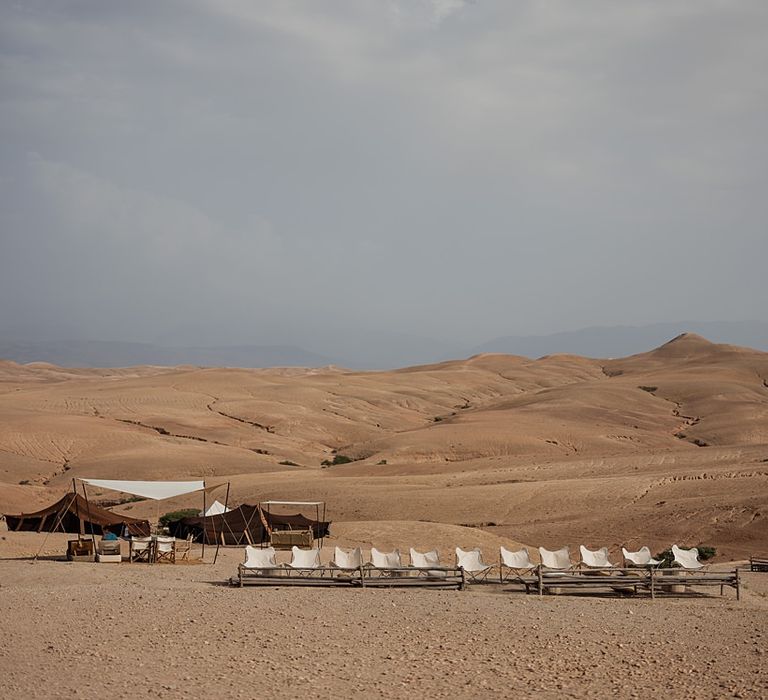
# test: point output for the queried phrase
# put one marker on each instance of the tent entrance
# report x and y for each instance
(295, 530)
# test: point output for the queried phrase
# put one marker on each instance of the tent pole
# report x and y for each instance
(90, 521)
(202, 553)
(77, 510)
(58, 520)
(322, 539)
(213, 526)
(226, 503)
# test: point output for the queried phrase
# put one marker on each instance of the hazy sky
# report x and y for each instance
(227, 171)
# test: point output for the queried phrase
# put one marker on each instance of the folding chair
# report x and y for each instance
(595, 559)
(184, 548)
(687, 558)
(140, 549)
(642, 557)
(304, 562)
(347, 561)
(557, 560)
(384, 562)
(423, 560)
(474, 567)
(517, 564)
(165, 549)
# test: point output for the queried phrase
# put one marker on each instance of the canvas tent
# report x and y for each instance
(72, 513)
(243, 525)
(216, 508)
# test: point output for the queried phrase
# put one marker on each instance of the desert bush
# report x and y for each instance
(706, 552)
(288, 463)
(337, 459)
(175, 515)
(649, 389)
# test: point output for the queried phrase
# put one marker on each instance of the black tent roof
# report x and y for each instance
(72, 513)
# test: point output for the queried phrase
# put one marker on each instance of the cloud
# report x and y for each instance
(459, 169)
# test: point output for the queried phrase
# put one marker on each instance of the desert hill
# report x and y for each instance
(667, 445)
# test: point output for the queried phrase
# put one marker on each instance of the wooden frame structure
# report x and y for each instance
(364, 577)
(758, 564)
(652, 580)
(299, 538)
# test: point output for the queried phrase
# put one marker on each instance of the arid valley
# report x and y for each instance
(668, 446)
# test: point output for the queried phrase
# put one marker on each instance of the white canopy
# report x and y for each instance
(157, 490)
(216, 508)
(292, 503)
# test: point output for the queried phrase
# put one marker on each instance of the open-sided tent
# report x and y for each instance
(238, 526)
(155, 490)
(73, 514)
(243, 525)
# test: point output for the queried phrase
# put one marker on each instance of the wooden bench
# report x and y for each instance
(647, 579)
(405, 577)
(758, 564)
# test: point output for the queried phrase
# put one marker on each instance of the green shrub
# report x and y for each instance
(706, 552)
(175, 515)
(337, 459)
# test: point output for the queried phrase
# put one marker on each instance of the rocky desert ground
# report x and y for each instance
(136, 631)
(666, 446)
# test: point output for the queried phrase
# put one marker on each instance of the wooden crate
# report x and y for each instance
(285, 539)
(80, 550)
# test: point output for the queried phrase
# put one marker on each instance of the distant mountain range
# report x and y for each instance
(387, 352)
(80, 353)
(620, 341)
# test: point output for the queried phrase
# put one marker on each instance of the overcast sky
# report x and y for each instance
(231, 171)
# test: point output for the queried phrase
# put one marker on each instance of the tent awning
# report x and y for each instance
(157, 490)
(292, 503)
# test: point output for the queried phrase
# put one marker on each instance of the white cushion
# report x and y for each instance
(348, 559)
(257, 558)
(516, 560)
(386, 560)
(558, 559)
(597, 558)
(470, 560)
(305, 558)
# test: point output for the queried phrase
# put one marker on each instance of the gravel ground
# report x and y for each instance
(134, 631)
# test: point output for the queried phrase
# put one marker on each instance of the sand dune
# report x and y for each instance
(667, 445)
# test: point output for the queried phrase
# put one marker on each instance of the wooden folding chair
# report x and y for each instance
(165, 549)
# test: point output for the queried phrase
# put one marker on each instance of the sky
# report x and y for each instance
(340, 174)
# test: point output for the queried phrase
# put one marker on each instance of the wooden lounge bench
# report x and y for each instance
(648, 579)
(405, 577)
(414, 576)
(758, 564)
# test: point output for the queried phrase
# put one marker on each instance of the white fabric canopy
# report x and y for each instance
(216, 508)
(157, 490)
(292, 503)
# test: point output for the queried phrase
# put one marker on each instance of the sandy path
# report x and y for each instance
(134, 631)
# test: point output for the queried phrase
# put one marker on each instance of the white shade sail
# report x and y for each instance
(156, 490)
(292, 503)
